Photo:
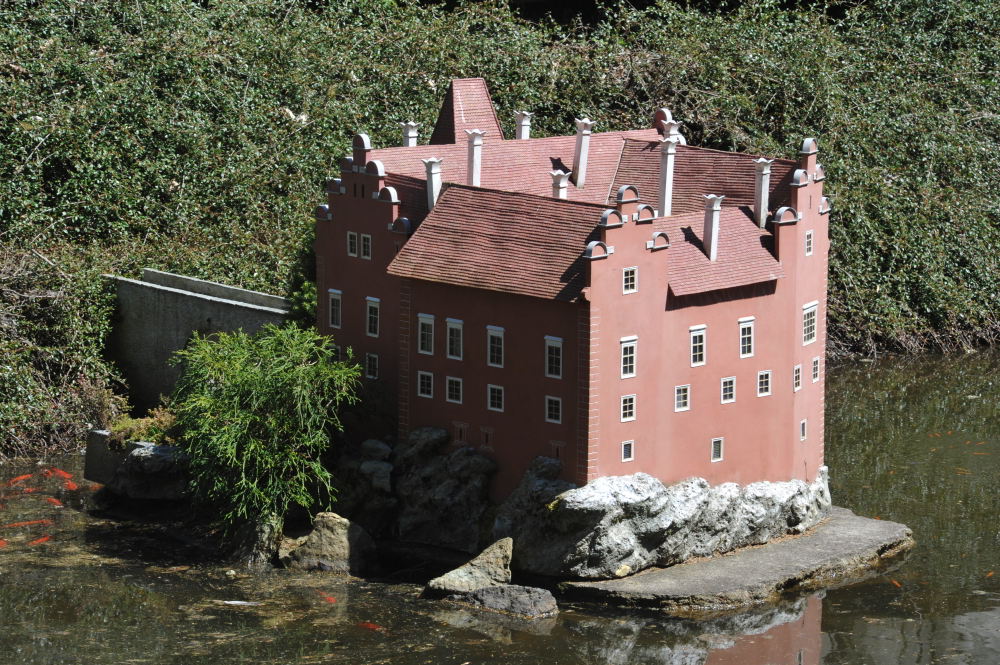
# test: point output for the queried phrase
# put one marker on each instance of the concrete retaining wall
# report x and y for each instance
(157, 316)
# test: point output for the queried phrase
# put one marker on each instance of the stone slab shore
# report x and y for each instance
(843, 548)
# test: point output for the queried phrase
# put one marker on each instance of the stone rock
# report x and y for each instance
(380, 474)
(364, 489)
(521, 601)
(286, 546)
(490, 568)
(149, 471)
(256, 543)
(335, 544)
(619, 525)
(373, 449)
(443, 497)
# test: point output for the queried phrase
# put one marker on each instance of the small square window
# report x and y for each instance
(366, 246)
(628, 451)
(763, 383)
(494, 395)
(371, 365)
(425, 332)
(373, 317)
(809, 324)
(628, 408)
(461, 431)
(486, 434)
(697, 347)
(553, 409)
(628, 358)
(797, 378)
(746, 339)
(815, 374)
(455, 346)
(682, 398)
(802, 430)
(553, 357)
(494, 340)
(630, 280)
(809, 243)
(334, 308)
(425, 384)
(729, 390)
(717, 450)
(352, 243)
(454, 390)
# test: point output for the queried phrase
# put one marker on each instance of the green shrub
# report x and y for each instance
(256, 413)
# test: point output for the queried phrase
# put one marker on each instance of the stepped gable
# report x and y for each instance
(412, 194)
(744, 257)
(467, 105)
(502, 241)
(700, 171)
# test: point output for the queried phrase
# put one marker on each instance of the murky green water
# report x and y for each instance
(916, 442)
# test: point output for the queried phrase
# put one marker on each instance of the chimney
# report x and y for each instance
(668, 151)
(582, 148)
(713, 204)
(475, 156)
(523, 125)
(560, 180)
(433, 166)
(409, 133)
(760, 190)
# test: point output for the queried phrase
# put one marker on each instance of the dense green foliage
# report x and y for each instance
(196, 137)
(256, 413)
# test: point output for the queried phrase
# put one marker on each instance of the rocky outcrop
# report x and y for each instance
(619, 525)
(149, 471)
(520, 601)
(490, 568)
(364, 480)
(443, 498)
(335, 544)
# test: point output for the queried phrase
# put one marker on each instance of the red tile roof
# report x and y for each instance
(412, 194)
(467, 105)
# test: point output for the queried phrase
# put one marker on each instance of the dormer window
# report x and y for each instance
(630, 280)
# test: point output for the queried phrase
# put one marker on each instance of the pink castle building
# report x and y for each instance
(620, 301)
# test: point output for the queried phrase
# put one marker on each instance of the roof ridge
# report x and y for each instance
(549, 199)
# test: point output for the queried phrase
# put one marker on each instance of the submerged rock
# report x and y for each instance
(521, 601)
(335, 544)
(490, 568)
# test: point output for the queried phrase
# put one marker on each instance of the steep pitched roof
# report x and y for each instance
(467, 105)
(502, 241)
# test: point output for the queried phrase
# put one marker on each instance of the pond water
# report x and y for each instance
(914, 441)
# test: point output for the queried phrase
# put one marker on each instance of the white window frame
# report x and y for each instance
(760, 375)
(621, 411)
(631, 342)
(803, 429)
(489, 397)
(692, 332)
(553, 343)
(421, 375)
(687, 400)
(797, 378)
(809, 243)
(558, 400)
(334, 295)
(368, 359)
(352, 235)
(455, 324)
(817, 367)
(722, 449)
(635, 288)
(366, 255)
(425, 319)
(631, 444)
(722, 390)
(491, 332)
(806, 309)
(748, 322)
(370, 304)
(448, 380)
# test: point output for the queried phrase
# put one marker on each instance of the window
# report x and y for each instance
(425, 384)
(454, 390)
(371, 365)
(697, 346)
(425, 328)
(373, 308)
(455, 346)
(366, 246)
(809, 243)
(797, 378)
(628, 408)
(802, 429)
(494, 398)
(553, 357)
(352, 243)
(729, 390)
(746, 337)
(628, 356)
(763, 383)
(682, 398)
(628, 451)
(461, 430)
(553, 410)
(630, 280)
(717, 450)
(809, 323)
(334, 307)
(815, 369)
(486, 433)
(494, 342)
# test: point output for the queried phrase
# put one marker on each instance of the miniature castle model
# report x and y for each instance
(620, 301)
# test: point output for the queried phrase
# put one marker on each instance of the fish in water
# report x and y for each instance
(329, 599)
(30, 490)
(3, 544)
(374, 627)
(48, 473)
(15, 481)
(39, 541)
(71, 486)
(14, 525)
(54, 501)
